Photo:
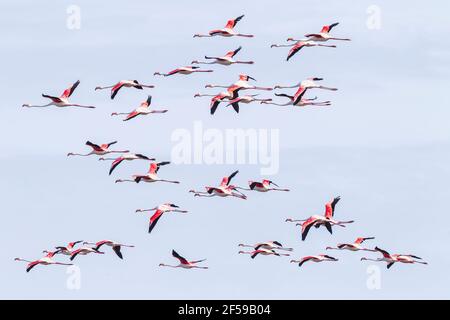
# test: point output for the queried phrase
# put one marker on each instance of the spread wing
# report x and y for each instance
(115, 164)
(294, 50)
(154, 219)
(306, 226)
(68, 92)
(232, 22)
(117, 251)
(329, 207)
(116, 89)
(93, 146)
(31, 265)
(176, 255)
(299, 95)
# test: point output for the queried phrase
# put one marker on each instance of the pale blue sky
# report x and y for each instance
(383, 146)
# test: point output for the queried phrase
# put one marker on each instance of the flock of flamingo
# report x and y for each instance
(225, 189)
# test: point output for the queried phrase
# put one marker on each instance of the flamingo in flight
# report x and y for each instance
(225, 60)
(263, 186)
(318, 258)
(324, 34)
(151, 175)
(390, 259)
(159, 211)
(264, 252)
(125, 157)
(298, 45)
(224, 190)
(143, 109)
(62, 101)
(298, 100)
(241, 84)
(99, 150)
(303, 102)
(269, 245)
(185, 264)
(309, 83)
(355, 246)
(230, 94)
(84, 251)
(114, 245)
(182, 70)
(47, 260)
(67, 250)
(318, 220)
(124, 84)
(228, 31)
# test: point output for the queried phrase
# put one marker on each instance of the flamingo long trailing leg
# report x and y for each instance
(298, 45)
(355, 246)
(125, 157)
(241, 84)
(114, 245)
(224, 190)
(99, 150)
(151, 175)
(62, 101)
(270, 245)
(159, 211)
(143, 109)
(225, 60)
(263, 252)
(185, 264)
(228, 31)
(390, 259)
(324, 34)
(124, 84)
(47, 260)
(263, 186)
(309, 83)
(182, 70)
(317, 258)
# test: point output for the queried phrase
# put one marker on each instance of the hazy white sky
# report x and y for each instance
(383, 146)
